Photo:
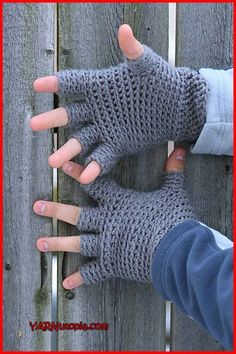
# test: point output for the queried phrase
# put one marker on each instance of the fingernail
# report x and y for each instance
(68, 167)
(43, 246)
(180, 157)
(69, 284)
(40, 207)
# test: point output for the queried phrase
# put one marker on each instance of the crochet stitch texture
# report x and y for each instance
(123, 231)
(133, 106)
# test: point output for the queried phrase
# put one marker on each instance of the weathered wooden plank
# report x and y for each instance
(204, 39)
(136, 315)
(28, 54)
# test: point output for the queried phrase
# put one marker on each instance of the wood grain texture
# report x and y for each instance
(204, 39)
(136, 315)
(28, 54)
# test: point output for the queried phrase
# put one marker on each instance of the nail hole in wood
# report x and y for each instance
(69, 295)
(8, 266)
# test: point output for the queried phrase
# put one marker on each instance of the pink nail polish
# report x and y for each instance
(180, 157)
(40, 207)
(44, 246)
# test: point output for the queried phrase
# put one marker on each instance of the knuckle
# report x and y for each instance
(52, 208)
(77, 244)
(75, 216)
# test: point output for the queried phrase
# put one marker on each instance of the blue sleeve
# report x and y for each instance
(192, 267)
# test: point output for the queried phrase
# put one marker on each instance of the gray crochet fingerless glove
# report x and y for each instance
(133, 106)
(123, 231)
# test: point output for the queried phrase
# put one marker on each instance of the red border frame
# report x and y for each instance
(71, 1)
(1, 179)
(1, 158)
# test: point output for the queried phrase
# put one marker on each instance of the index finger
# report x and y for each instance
(46, 84)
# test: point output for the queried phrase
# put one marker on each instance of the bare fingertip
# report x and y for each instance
(35, 205)
(46, 84)
(176, 160)
(52, 161)
(66, 284)
(33, 124)
(39, 207)
(179, 153)
(72, 281)
(35, 84)
(42, 245)
(125, 27)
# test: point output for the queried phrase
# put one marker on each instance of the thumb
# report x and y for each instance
(176, 161)
(173, 175)
(130, 46)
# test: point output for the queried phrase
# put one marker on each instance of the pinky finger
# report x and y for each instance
(89, 273)
(73, 281)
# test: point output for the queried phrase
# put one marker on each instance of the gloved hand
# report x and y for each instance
(131, 107)
(126, 227)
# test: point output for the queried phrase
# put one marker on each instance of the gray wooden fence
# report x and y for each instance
(37, 38)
